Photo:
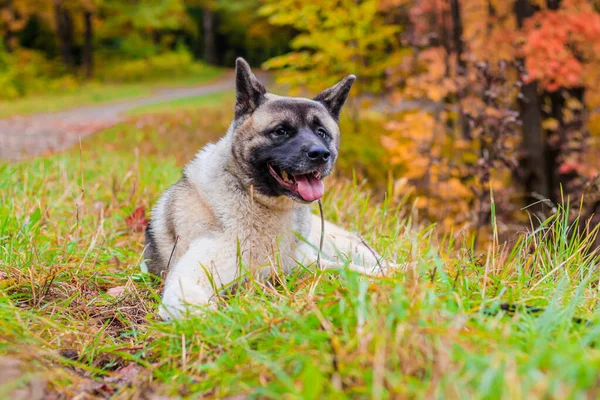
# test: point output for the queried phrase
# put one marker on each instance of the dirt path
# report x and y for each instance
(30, 135)
(26, 136)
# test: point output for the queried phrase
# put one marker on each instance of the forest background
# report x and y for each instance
(455, 100)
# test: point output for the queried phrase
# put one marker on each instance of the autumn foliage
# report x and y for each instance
(457, 102)
(509, 83)
(561, 46)
(498, 98)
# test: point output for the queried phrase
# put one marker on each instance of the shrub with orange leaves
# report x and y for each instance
(561, 44)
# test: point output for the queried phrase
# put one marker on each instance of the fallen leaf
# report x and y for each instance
(137, 220)
(115, 291)
(124, 374)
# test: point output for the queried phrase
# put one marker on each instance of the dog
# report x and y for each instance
(242, 204)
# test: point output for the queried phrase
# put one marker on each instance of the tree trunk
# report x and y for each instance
(523, 10)
(535, 162)
(64, 29)
(88, 44)
(9, 35)
(567, 142)
(553, 4)
(8, 40)
(208, 22)
(491, 20)
(457, 32)
(461, 65)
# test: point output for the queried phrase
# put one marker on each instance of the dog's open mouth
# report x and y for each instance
(309, 186)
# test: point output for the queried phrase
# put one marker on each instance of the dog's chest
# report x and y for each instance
(269, 238)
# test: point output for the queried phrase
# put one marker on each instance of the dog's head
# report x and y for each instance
(286, 145)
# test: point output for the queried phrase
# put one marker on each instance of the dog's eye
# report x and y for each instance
(281, 131)
(321, 132)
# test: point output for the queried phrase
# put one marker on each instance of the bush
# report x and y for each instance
(154, 67)
(361, 152)
(26, 72)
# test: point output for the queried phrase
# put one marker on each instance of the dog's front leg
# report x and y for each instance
(307, 254)
(207, 265)
(341, 247)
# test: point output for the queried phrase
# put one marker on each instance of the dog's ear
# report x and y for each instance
(250, 93)
(334, 98)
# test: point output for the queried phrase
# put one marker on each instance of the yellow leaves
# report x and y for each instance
(422, 202)
(573, 103)
(335, 39)
(594, 125)
(434, 58)
(550, 124)
(415, 124)
(453, 188)
(430, 79)
(435, 93)
(389, 143)
(407, 145)
(431, 165)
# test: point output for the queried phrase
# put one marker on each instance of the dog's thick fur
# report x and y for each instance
(229, 212)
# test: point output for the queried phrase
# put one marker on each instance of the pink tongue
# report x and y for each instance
(310, 187)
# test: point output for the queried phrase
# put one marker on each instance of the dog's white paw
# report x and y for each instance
(167, 313)
(180, 298)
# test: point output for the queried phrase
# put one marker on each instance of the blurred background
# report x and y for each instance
(479, 115)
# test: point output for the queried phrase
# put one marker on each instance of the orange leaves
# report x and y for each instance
(568, 167)
(407, 145)
(431, 79)
(423, 159)
(561, 44)
(429, 15)
(137, 221)
(560, 47)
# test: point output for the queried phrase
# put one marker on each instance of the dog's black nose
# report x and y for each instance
(318, 153)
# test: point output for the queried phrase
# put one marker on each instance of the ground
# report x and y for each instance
(78, 311)
(27, 135)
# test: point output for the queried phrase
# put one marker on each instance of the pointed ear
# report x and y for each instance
(250, 93)
(334, 98)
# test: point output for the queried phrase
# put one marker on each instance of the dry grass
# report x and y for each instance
(78, 313)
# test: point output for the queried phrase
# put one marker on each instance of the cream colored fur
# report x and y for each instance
(215, 222)
(212, 227)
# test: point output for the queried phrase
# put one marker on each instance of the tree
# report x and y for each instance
(64, 28)
(535, 160)
(208, 29)
(243, 30)
(556, 43)
(145, 20)
(335, 39)
(14, 15)
(88, 45)
(208, 10)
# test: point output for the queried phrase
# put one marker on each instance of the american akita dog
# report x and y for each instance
(242, 204)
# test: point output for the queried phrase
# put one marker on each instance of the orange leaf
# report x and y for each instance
(567, 168)
(137, 220)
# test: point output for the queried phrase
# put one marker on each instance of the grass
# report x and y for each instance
(432, 331)
(97, 93)
(186, 104)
